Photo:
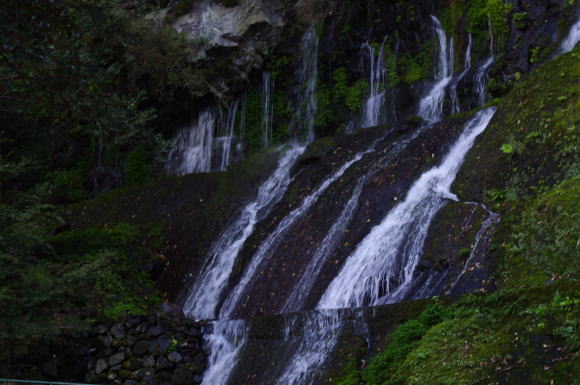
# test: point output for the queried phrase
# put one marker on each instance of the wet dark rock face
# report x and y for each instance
(385, 186)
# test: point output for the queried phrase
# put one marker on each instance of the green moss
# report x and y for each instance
(523, 336)
(542, 244)
(413, 68)
(137, 168)
(538, 116)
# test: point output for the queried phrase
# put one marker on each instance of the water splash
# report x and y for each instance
(208, 288)
(382, 266)
(193, 146)
(431, 105)
(302, 123)
(373, 112)
(225, 343)
(267, 110)
(571, 40)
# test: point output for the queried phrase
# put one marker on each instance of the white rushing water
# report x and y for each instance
(269, 245)
(209, 286)
(225, 144)
(481, 75)
(193, 146)
(225, 341)
(455, 106)
(197, 148)
(382, 265)
(308, 277)
(302, 123)
(319, 335)
(431, 105)
(267, 110)
(571, 40)
(373, 112)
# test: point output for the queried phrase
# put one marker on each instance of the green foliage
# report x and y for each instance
(543, 243)
(137, 168)
(479, 337)
(401, 342)
(413, 68)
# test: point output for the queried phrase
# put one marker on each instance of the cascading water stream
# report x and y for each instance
(302, 123)
(431, 106)
(267, 110)
(571, 40)
(269, 245)
(361, 281)
(480, 245)
(382, 266)
(309, 276)
(320, 334)
(193, 146)
(224, 143)
(226, 340)
(209, 286)
(373, 112)
(455, 106)
(481, 75)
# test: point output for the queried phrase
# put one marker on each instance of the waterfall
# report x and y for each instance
(193, 146)
(481, 75)
(455, 106)
(269, 245)
(224, 143)
(431, 105)
(302, 122)
(196, 149)
(225, 343)
(309, 276)
(480, 245)
(382, 266)
(267, 110)
(209, 286)
(375, 104)
(571, 40)
(320, 334)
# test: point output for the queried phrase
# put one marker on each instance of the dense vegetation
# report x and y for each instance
(81, 85)
(88, 89)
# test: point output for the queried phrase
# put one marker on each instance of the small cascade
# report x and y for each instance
(373, 112)
(208, 288)
(382, 266)
(225, 343)
(431, 106)
(571, 40)
(224, 144)
(455, 106)
(309, 276)
(480, 245)
(320, 333)
(193, 146)
(208, 144)
(481, 77)
(302, 123)
(267, 110)
(269, 245)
